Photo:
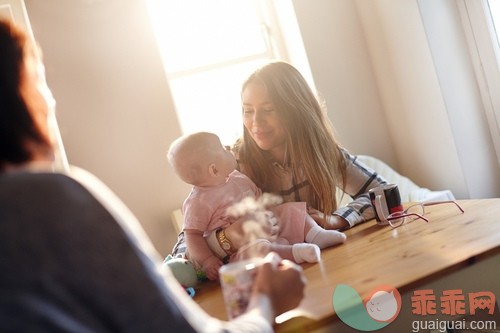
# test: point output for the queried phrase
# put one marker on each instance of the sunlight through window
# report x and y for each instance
(208, 49)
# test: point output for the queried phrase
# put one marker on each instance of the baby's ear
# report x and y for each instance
(212, 170)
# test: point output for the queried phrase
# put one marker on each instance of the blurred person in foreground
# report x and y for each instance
(73, 258)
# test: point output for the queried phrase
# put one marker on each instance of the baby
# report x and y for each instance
(200, 160)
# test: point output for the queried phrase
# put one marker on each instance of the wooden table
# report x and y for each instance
(405, 258)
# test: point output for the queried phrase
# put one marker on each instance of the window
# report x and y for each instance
(494, 9)
(481, 20)
(208, 49)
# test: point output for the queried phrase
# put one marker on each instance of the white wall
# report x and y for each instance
(340, 62)
(399, 86)
(463, 103)
(429, 90)
(113, 102)
(411, 94)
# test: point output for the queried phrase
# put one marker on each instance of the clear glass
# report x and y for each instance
(415, 212)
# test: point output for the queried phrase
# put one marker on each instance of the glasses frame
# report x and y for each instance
(404, 214)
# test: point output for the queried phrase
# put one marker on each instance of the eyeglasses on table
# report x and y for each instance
(416, 211)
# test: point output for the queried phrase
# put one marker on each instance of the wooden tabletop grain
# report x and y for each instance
(404, 258)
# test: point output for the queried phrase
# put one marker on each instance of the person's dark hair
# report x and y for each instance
(17, 123)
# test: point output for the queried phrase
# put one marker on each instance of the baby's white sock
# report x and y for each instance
(324, 238)
(303, 252)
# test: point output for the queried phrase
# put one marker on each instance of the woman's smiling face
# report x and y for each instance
(262, 120)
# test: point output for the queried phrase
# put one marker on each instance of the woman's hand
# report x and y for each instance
(282, 281)
(331, 222)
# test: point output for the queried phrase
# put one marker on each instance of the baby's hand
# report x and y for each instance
(211, 267)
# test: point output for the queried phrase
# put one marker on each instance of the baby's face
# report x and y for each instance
(223, 158)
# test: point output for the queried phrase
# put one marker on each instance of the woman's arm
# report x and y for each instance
(332, 221)
(359, 180)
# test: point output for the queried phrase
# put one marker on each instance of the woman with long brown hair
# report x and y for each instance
(289, 148)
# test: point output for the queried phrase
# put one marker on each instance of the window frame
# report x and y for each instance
(485, 53)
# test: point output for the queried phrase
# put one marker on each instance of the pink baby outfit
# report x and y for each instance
(205, 208)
